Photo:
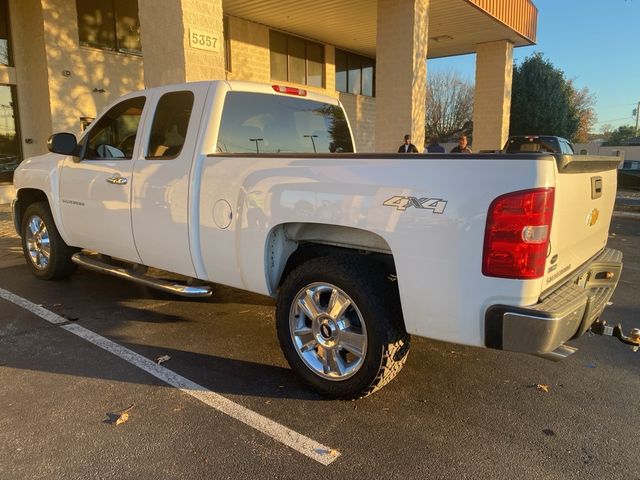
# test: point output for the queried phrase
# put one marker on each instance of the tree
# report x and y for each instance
(620, 135)
(544, 102)
(449, 109)
(583, 103)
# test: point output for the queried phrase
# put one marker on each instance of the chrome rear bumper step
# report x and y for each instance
(560, 353)
(96, 264)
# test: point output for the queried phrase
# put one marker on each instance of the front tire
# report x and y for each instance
(47, 255)
(340, 326)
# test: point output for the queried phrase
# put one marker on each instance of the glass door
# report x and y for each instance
(10, 153)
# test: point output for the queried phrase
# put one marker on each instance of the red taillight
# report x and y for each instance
(289, 90)
(516, 239)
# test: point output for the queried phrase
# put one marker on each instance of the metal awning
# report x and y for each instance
(455, 26)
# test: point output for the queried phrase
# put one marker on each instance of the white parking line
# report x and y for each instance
(305, 445)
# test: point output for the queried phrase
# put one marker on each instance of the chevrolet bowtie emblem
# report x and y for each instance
(593, 217)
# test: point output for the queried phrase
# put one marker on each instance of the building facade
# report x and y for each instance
(63, 61)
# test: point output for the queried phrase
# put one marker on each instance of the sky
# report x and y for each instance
(595, 42)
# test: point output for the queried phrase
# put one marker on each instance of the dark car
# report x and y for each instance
(538, 144)
(8, 163)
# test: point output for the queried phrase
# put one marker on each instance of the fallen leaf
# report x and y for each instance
(334, 452)
(124, 415)
(543, 388)
(122, 418)
(162, 359)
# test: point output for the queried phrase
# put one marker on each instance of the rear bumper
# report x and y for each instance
(565, 314)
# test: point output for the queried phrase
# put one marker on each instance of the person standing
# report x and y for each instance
(462, 146)
(434, 146)
(407, 146)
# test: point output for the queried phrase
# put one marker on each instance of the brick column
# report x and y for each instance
(492, 100)
(165, 26)
(401, 72)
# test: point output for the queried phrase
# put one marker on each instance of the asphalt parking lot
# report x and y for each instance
(453, 412)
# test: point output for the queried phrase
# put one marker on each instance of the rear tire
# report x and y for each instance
(47, 255)
(340, 326)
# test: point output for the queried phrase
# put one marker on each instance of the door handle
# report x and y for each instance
(117, 180)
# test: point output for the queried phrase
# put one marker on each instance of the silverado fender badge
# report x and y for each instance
(73, 202)
(593, 217)
(437, 205)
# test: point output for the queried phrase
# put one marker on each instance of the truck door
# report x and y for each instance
(160, 203)
(95, 193)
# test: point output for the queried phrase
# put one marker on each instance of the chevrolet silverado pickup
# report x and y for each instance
(258, 187)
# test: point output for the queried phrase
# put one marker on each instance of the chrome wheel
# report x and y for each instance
(328, 331)
(38, 245)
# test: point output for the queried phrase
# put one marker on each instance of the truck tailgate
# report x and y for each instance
(584, 200)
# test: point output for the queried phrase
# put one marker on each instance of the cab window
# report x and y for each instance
(170, 125)
(255, 123)
(114, 135)
(566, 148)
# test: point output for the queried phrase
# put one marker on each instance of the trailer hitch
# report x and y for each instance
(633, 339)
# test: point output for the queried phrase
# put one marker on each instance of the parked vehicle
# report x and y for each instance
(538, 144)
(241, 184)
(8, 163)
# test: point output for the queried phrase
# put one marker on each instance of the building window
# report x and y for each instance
(5, 44)
(10, 153)
(109, 25)
(296, 60)
(355, 74)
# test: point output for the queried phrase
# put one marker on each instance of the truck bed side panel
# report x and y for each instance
(438, 255)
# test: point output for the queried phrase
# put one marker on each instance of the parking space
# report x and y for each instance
(454, 412)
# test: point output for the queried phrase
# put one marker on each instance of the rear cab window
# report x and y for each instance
(255, 123)
(533, 144)
(566, 148)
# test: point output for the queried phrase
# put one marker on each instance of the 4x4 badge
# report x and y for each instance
(437, 205)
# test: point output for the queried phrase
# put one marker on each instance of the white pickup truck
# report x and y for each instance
(258, 187)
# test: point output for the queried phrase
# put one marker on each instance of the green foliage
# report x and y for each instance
(620, 135)
(543, 100)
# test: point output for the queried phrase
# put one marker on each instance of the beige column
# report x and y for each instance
(492, 100)
(30, 73)
(166, 27)
(401, 72)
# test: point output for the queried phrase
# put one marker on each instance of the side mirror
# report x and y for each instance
(63, 143)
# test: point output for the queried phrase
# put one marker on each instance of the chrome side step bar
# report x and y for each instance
(94, 263)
